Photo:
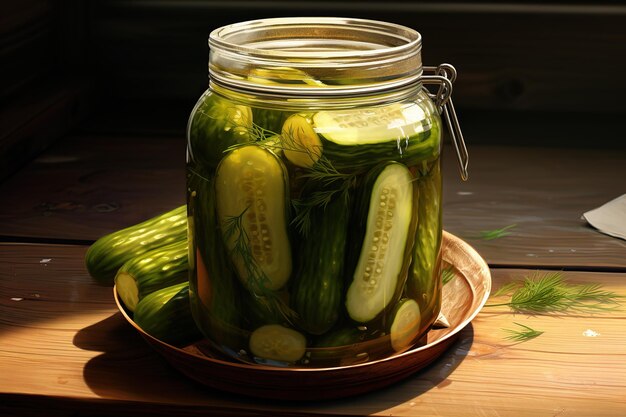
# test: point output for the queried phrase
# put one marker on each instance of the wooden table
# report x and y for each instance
(66, 350)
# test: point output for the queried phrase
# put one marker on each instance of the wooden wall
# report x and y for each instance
(138, 66)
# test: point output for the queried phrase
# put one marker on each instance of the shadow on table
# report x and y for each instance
(129, 370)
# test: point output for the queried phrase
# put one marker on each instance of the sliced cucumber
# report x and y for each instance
(276, 342)
(301, 145)
(372, 125)
(251, 188)
(151, 271)
(405, 324)
(356, 139)
(382, 263)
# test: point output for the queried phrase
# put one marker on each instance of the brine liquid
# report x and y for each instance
(233, 290)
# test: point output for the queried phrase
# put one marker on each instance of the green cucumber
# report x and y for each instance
(151, 271)
(424, 279)
(342, 337)
(318, 289)
(268, 121)
(214, 288)
(215, 125)
(282, 76)
(356, 139)
(404, 324)
(251, 190)
(166, 315)
(279, 343)
(386, 230)
(110, 252)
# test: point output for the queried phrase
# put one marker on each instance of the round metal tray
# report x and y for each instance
(463, 297)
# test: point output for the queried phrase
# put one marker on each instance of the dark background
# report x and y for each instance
(530, 73)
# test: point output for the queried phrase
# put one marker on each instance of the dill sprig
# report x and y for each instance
(522, 335)
(447, 275)
(551, 293)
(257, 280)
(332, 187)
(326, 181)
(496, 233)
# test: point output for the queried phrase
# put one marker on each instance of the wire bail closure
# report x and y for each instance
(444, 75)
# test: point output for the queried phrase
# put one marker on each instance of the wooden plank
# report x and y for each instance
(89, 186)
(66, 348)
(543, 192)
(520, 55)
(37, 119)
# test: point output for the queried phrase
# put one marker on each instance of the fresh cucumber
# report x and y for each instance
(279, 343)
(318, 288)
(301, 145)
(357, 139)
(404, 324)
(424, 279)
(251, 190)
(166, 315)
(216, 124)
(151, 271)
(110, 252)
(386, 223)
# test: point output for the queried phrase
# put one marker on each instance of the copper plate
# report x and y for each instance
(463, 297)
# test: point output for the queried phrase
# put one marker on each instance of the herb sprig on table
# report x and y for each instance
(550, 293)
(496, 233)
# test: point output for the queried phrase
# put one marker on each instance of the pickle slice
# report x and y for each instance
(405, 325)
(277, 342)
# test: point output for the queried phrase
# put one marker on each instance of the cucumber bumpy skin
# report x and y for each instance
(166, 315)
(381, 264)
(317, 290)
(215, 124)
(214, 288)
(424, 279)
(110, 252)
(251, 183)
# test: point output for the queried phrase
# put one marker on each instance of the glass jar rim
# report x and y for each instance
(237, 38)
(317, 58)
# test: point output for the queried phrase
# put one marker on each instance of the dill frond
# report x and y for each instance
(522, 335)
(496, 233)
(550, 293)
(257, 280)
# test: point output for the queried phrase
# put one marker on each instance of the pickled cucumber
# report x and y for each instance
(215, 125)
(424, 280)
(380, 271)
(251, 191)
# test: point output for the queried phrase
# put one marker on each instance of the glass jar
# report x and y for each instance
(314, 192)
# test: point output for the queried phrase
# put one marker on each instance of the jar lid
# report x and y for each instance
(316, 56)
